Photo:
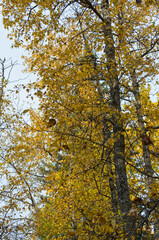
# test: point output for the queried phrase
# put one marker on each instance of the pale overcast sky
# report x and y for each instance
(10, 53)
(15, 55)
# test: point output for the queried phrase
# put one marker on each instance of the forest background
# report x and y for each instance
(84, 164)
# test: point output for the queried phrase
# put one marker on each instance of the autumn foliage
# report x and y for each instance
(86, 164)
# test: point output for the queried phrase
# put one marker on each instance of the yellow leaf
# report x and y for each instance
(25, 111)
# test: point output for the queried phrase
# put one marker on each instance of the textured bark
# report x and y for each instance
(112, 189)
(74, 226)
(120, 169)
(146, 152)
(1, 84)
(119, 147)
(156, 227)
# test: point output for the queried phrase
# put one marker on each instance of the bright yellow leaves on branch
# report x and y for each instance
(89, 144)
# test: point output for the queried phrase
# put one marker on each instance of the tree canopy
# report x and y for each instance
(87, 160)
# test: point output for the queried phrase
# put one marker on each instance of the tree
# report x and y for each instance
(14, 223)
(93, 60)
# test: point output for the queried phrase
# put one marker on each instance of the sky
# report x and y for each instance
(17, 75)
(10, 53)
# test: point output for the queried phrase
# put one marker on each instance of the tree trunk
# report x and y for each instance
(146, 152)
(1, 84)
(112, 189)
(119, 146)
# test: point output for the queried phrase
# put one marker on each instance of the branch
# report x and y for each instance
(88, 4)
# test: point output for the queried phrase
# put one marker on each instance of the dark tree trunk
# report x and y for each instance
(119, 147)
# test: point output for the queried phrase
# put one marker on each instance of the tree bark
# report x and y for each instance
(119, 146)
(112, 189)
(1, 84)
(146, 152)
